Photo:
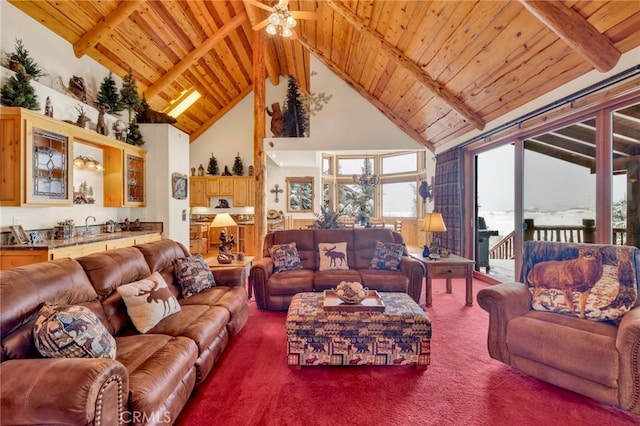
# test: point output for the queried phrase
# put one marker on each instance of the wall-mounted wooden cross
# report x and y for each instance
(277, 190)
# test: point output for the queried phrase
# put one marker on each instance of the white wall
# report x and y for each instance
(169, 155)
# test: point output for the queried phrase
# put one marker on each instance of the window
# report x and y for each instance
(300, 194)
(402, 163)
(353, 166)
(399, 199)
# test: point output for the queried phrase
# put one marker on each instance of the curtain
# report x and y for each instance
(447, 195)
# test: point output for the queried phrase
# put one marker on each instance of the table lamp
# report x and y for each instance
(432, 222)
(223, 220)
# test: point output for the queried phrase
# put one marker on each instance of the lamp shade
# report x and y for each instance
(433, 222)
(222, 220)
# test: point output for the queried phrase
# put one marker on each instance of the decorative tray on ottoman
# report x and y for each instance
(372, 303)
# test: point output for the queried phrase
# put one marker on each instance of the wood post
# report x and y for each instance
(259, 155)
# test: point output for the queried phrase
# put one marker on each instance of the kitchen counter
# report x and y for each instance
(69, 242)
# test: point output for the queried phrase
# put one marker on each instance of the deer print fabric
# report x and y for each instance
(596, 282)
(148, 301)
(333, 256)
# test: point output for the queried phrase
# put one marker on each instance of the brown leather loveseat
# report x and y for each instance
(153, 374)
(274, 290)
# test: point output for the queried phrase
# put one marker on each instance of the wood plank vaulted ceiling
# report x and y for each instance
(437, 69)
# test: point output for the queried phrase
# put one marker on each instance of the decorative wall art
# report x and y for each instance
(19, 235)
(179, 186)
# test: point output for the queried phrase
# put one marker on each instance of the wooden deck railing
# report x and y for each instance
(585, 233)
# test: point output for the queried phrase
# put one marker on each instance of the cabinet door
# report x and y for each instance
(11, 162)
(241, 192)
(14, 258)
(149, 238)
(48, 176)
(134, 184)
(226, 186)
(120, 243)
(197, 197)
(249, 248)
(213, 187)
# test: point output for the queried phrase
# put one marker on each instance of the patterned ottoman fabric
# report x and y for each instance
(398, 336)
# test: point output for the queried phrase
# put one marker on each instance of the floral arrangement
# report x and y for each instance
(351, 292)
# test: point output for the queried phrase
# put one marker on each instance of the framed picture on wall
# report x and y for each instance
(179, 186)
(19, 235)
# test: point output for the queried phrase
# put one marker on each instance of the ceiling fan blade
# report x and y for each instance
(260, 25)
(260, 5)
(301, 14)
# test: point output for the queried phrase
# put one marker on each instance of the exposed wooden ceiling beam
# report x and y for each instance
(270, 63)
(398, 56)
(228, 107)
(576, 31)
(194, 55)
(365, 94)
(104, 27)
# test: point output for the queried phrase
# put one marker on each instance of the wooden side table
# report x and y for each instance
(243, 267)
(448, 268)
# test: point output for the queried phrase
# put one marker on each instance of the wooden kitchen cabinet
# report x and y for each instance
(124, 177)
(36, 159)
(197, 194)
(212, 187)
(226, 186)
(242, 192)
(219, 186)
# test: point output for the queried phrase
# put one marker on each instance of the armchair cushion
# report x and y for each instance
(148, 301)
(72, 332)
(285, 257)
(594, 282)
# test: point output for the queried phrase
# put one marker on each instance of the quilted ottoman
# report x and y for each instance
(400, 335)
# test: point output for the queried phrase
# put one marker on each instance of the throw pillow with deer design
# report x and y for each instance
(148, 301)
(333, 256)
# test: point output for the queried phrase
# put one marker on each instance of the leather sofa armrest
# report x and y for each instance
(628, 346)
(503, 302)
(229, 277)
(64, 391)
(261, 271)
(415, 270)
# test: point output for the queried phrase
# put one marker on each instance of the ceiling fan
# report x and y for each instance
(281, 20)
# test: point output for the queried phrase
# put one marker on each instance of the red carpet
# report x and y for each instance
(252, 384)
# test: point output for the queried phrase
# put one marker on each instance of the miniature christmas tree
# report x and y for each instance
(109, 96)
(20, 59)
(134, 137)
(238, 167)
(129, 95)
(17, 91)
(213, 166)
(295, 116)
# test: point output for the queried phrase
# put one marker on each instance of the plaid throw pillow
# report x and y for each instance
(387, 256)
(285, 257)
(72, 332)
(193, 275)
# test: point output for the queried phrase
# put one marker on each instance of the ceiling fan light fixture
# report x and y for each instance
(271, 29)
(290, 22)
(286, 32)
(274, 19)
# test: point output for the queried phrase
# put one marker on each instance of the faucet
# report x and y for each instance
(86, 223)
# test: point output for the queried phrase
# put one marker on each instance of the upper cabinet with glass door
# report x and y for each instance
(39, 173)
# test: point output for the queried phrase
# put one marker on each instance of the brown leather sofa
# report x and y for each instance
(153, 374)
(596, 358)
(274, 291)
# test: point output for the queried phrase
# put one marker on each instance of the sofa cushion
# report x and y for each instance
(193, 275)
(285, 257)
(590, 281)
(72, 332)
(290, 282)
(148, 301)
(326, 280)
(333, 256)
(387, 256)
